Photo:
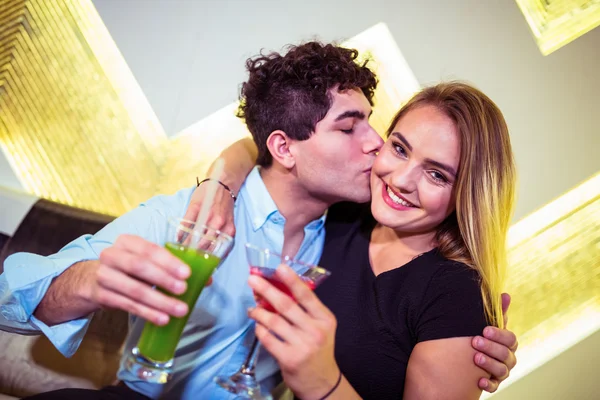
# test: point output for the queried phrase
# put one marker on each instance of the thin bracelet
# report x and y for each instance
(200, 182)
(334, 387)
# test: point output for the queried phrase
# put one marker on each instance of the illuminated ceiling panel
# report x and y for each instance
(77, 129)
(555, 23)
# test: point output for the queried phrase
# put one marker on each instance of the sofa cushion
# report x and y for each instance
(31, 364)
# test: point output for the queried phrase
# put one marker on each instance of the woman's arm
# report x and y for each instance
(443, 369)
(450, 312)
(239, 158)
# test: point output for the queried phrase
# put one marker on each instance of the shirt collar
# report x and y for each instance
(257, 199)
(261, 204)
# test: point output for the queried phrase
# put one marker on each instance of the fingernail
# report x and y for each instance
(250, 309)
(183, 271)
(162, 320)
(479, 342)
(179, 286)
(253, 280)
(488, 332)
(481, 359)
(485, 383)
(181, 309)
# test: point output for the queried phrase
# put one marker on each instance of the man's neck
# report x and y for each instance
(294, 203)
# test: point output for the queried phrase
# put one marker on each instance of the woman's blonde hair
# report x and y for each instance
(475, 234)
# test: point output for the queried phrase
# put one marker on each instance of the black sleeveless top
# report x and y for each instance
(382, 318)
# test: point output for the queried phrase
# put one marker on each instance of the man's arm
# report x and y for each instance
(65, 301)
(123, 278)
(93, 271)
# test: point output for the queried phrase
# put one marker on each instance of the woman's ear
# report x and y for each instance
(278, 144)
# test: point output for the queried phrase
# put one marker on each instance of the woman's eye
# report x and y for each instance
(399, 149)
(438, 177)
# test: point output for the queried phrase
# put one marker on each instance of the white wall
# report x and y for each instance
(188, 57)
(8, 179)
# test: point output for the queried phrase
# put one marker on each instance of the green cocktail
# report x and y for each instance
(158, 343)
(202, 250)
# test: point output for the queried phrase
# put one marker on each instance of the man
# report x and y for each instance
(311, 121)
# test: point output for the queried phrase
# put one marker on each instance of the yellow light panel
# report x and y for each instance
(555, 23)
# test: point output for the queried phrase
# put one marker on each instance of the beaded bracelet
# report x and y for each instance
(200, 182)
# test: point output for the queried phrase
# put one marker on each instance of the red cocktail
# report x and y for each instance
(269, 275)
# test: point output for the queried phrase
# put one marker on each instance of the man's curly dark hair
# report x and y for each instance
(291, 92)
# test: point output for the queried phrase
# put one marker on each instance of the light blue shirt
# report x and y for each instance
(219, 333)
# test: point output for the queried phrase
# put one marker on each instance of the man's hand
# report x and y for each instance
(220, 216)
(305, 329)
(496, 351)
(126, 274)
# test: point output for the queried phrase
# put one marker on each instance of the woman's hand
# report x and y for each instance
(240, 158)
(301, 337)
(220, 215)
(496, 351)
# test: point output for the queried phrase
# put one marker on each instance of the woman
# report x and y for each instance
(417, 274)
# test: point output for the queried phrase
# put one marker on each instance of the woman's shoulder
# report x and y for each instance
(453, 272)
(451, 304)
(432, 266)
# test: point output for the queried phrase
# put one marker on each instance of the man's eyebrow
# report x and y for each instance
(351, 114)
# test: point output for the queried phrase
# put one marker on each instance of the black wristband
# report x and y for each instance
(339, 380)
(200, 182)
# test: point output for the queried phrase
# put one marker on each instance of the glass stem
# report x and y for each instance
(250, 364)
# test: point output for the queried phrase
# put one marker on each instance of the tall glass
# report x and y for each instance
(264, 262)
(201, 249)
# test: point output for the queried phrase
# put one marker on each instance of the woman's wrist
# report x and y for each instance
(333, 388)
(225, 186)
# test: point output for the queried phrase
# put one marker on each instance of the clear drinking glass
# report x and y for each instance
(203, 250)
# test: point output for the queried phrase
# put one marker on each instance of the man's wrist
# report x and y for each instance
(86, 272)
(69, 296)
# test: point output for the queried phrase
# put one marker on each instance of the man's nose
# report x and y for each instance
(374, 142)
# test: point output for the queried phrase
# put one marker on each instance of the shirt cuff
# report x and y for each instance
(66, 337)
(24, 284)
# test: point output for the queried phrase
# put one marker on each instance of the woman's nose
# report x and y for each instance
(405, 180)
